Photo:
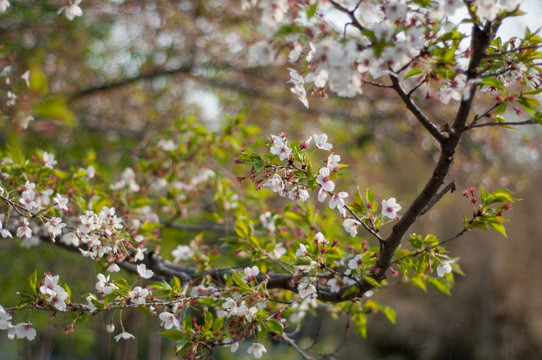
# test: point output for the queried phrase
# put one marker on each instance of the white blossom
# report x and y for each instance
(124, 336)
(182, 252)
(72, 11)
(4, 4)
(169, 320)
(144, 272)
(390, 208)
(257, 350)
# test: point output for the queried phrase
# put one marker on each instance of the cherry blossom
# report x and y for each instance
(138, 295)
(322, 194)
(351, 226)
(395, 11)
(50, 285)
(144, 272)
(337, 201)
(390, 208)
(321, 142)
(302, 251)
(280, 148)
(104, 286)
(27, 200)
(49, 160)
(256, 349)
(110, 327)
(306, 289)
(169, 320)
(320, 239)
(58, 299)
(275, 183)
(124, 335)
(355, 262)
(228, 342)
(182, 252)
(4, 4)
(334, 285)
(24, 230)
(487, 9)
(445, 267)
(298, 87)
(5, 319)
(324, 181)
(54, 226)
(333, 161)
(251, 273)
(72, 11)
(510, 5)
(25, 330)
(61, 201)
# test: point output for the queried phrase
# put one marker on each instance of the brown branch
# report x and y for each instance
(480, 40)
(436, 198)
(511, 123)
(416, 111)
(351, 13)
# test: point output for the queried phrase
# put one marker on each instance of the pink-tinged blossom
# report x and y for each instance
(306, 289)
(104, 286)
(4, 4)
(298, 87)
(445, 267)
(138, 295)
(169, 320)
(487, 9)
(298, 193)
(54, 226)
(124, 336)
(275, 183)
(24, 230)
(182, 252)
(61, 201)
(280, 148)
(450, 6)
(4, 231)
(110, 327)
(334, 285)
(27, 200)
(355, 262)
(49, 160)
(251, 273)
(279, 251)
(322, 194)
(383, 30)
(144, 272)
(351, 226)
(5, 319)
(50, 285)
(302, 251)
(324, 180)
(390, 208)
(72, 10)
(333, 162)
(320, 239)
(395, 11)
(321, 142)
(228, 342)
(59, 299)
(257, 350)
(43, 198)
(337, 200)
(25, 330)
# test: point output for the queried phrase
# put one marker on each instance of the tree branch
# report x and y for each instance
(416, 111)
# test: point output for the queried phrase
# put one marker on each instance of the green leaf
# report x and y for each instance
(360, 322)
(415, 241)
(419, 282)
(440, 284)
(56, 108)
(172, 334)
(413, 72)
(33, 281)
(311, 10)
(371, 281)
(239, 282)
(493, 82)
(262, 333)
(274, 326)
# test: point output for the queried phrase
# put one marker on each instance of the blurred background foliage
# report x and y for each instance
(105, 83)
